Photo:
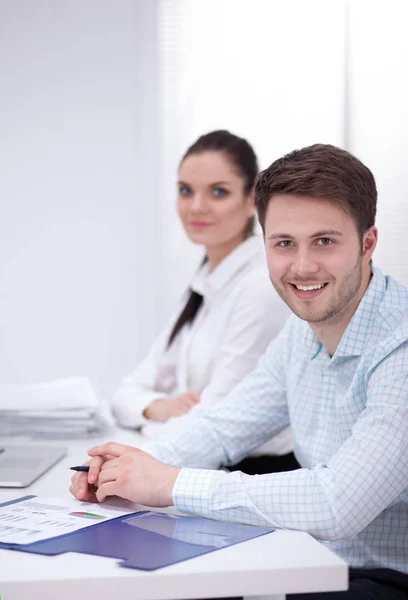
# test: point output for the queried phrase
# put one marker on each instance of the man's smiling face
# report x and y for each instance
(315, 257)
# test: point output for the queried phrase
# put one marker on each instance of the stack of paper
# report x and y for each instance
(63, 408)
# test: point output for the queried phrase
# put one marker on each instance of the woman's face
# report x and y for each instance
(211, 201)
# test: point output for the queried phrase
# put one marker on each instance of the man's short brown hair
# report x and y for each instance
(321, 171)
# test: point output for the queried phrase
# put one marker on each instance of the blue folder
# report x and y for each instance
(145, 540)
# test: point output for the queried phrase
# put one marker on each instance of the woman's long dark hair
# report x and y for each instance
(243, 158)
(187, 315)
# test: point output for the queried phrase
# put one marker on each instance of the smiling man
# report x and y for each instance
(338, 373)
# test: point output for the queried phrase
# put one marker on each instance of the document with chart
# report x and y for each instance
(39, 518)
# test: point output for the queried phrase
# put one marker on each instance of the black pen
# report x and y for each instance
(82, 468)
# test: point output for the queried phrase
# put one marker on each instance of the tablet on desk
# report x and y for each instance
(20, 465)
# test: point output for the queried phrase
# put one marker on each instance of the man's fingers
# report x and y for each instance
(107, 475)
(106, 489)
(112, 448)
(82, 491)
(79, 485)
(84, 485)
(95, 465)
(90, 496)
(112, 463)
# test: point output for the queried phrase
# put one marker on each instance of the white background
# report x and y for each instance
(78, 179)
(98, 101)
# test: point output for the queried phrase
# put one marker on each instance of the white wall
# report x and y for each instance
(378, 128)
(78, 123)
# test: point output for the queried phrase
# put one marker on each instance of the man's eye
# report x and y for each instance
(324, 241)
(285, 243)
(184, 190)
(219, 192)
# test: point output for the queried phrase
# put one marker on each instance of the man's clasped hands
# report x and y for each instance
(124, 471)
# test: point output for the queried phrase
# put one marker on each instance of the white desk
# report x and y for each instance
(273, 565)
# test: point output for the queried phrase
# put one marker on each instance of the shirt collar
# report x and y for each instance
(208, 283)
(359, 328)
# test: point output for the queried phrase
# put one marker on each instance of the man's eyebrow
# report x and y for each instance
(322, 233)
(326, 232)
(279, 236)
(212, 184)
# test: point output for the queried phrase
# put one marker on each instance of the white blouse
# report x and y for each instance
(240, 314)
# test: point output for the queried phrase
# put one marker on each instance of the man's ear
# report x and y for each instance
(369, 242)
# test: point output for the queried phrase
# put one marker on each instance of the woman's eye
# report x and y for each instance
(324, 241)
(184, 190)
(219, 192)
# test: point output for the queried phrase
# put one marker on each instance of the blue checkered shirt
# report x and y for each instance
(349, 415)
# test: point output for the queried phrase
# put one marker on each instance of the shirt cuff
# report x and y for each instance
(192, 490)
(128, 406)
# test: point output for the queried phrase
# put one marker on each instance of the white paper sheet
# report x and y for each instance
(40, 518)
(67, 407)
(60, 394)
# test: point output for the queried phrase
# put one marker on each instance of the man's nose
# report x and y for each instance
(304, 263)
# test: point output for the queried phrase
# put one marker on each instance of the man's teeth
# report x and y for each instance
(309, 288)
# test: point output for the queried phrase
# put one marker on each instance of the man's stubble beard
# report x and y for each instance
(349, 288)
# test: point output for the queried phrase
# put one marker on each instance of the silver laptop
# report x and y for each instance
(20, 465)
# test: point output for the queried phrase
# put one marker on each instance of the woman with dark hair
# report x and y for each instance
(231, 311)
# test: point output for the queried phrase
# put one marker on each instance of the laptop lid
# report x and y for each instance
(22, 464)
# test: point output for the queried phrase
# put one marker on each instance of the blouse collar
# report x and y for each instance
(207, 282)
